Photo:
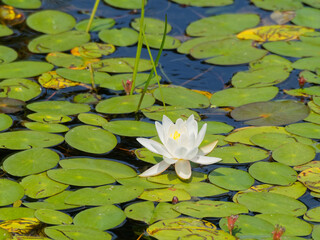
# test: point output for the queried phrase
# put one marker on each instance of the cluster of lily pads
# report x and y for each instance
(57, 173)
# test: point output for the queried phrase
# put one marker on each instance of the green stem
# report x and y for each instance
(94, 10)
(92, 78)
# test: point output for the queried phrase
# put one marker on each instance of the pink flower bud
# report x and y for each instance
(127, 86)
(278, 231)
(231, 222)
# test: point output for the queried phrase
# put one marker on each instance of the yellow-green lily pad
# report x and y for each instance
(5, 121)
(309, 130)
(24, 4)
(58, 107)
(50, 216)
(49, 117)
(21, 89)
(165, 194)
(172, 178)
(46, 127)
(10, 213)
(155, 40)
(204, 3)
(10, 192)
(152, 25)
(280, 5)
(312, 215)
(201, 189)
(310, 178)
(121, 65)
(125, 4)
(7, 54)
(309, 17)
(97, 24)
(119, 37)
(131, 128)
(141, 182)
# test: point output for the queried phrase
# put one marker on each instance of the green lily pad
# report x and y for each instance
(21, 89)
(94, 50)
(231, 179)
(10, 192)
(5, 121)
(88, 98)
(5, 31)
(119, 37)
(204, 3)
(312, 3)
(19, 140)
(97, 24)
(58, 42)
(51, 21)
(249, 227)
(165, 194)
(316, 232)
(280, 5)
(46, 127)
(49, 117)
(49, 205)
(179, 96)
(40, 186)
(214, 127)
(273, 173)
(171, 178)
(235, 97)
(271, 61)
(131, 128)
(65, 232)
(66, 60)
(271, 141)
(294, 226)
(22, 69)
(148, 213)
(80, 177)
(310, 178)
(271, 113)
(309, 130)
(186, 46)
(50, 216)
(154, 41)
(230, 51)
(152, 25)
(92, 119)
(224, 24)
(91, 139)
(58, 107)
(102, 218)
(7, 54)
(24, 4)
(172, 112)
(109, 194)
(10, 213)
(208, 208)
(123, 104)
(201, 189)
(30, 161)
(271, 203)
(309, 63)
(148, 156)
(125, 4)
(113, 168)
(121, 65)
(312, 215)
(305, 166)
(294, 154)
(83, 76)
(308, 17)
(238, 154)
(260, 77)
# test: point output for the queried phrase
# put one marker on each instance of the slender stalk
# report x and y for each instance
(138, 53)
(92, 78)
(155, 64)
(93, 13)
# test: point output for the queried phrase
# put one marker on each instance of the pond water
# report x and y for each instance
(285, 149)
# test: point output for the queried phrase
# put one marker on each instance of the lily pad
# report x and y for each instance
(58, 42)
(123, 104)
(10, 213)
(7, 54)
(214, 127)
(60, 59)
(121, 65)
(309, 130)
(93, 50)
(119, 37)
(19, 140)
(164, 194)
(58, 107)
(65, 232)
(273, 173)
(83, 76)
(40, 186)
(5, 121)
(102, 218)
(125, 4)
(316, 232)
(236, 97)
(294, 154)
(154, 41)
(310, 178)
(208, 208)
(80, 177)
(178, 96)
(49, 117)
(5, 31)
(98, 24)
(50, 216)
(131, 128)
(271, 203)
(231, 179)
(271, 141)
(91, 139)
(238, 154)
(148, 213)
(10, 192)
(309, 63)
(24, 4)
(312, 215)
(30, 161)
(308, 17)
(204, 3)
(201, 189)
(21, 89)
(305, 166)
(51, 21)
(92, 119)
(280, 5)
(172, 178)
(224, 24)
(152, 25)
(46, 127)
(22, 69)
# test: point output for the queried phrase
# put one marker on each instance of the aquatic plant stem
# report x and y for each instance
(139, 48)
(92, 78)
(93, 13)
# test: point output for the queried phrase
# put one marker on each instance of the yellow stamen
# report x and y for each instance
(176, 135)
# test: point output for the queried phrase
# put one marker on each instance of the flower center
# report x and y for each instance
(176, 135)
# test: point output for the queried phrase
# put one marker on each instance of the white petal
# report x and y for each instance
(171, 145)
(154, 146)
(204, 160)
(192, 125)
(180, 152)
(183, 169)
(156, 169)
(192, 153)
(201, 135)
(169, 160)
(166, 122)
(208, 148)
(159, 128)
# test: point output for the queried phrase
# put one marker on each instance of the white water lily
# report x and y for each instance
(181, 142)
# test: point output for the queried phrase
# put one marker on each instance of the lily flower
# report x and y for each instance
(180, 145)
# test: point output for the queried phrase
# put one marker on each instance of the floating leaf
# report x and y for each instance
(83, 76)
(148, 156)
(119, 37)
(30, 161)
(281, 5)
(102, 218)
(204, 3)
(21, 89)
(52, 217)
(154, 41)
(310, 63)
(46, 127)
(24, 4)
(125, 4)
(131, 128)
(310, 178)
(5, 31)
(152, 25)
(273, 173)
(274, 33)
(316, 232)
(271, 61)
(49, 117)
(21, 225)
(121, 65)
(308, 17)
(214, 127)
(54, 81)
(92, 119)
(58, 107)
(93, 50)
(172, 178)
(164, 194)
(5, 121)
(305, 166)
(10, 192)
(10, 213)
(271, 113)
(312, 215)
(271, 141)
(141, 182)
(68, 61)
(312, 3)
(97, 24)
(7, 54)
(51, 21)
(309, 130)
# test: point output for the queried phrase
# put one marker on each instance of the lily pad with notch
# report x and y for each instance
(147, 156)
(312, 215)
(271, 141)
(5, 31)
(214, 127)
(152, 25)
(46, 127)
(92, 119)
(58, 107)
(83, 76)
(49, 117)
(21, 89)
(7, 54)
(10, 192)
(122, 37)
(98, 24)
(309, 63)
(66, 60)
(271, 113)
(93, 50)
(171, 178)
(154, 41)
